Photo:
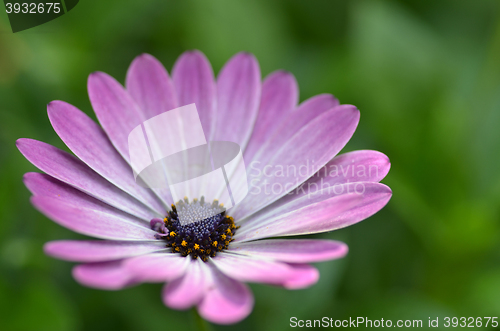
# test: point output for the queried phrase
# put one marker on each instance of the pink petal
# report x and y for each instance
(70, 170)
(238, 96)
(307, 277)
(352, 167)
(89, 142)
(254, 269)
(104, 275)
(159, 267)
(356, 166)
(119, 115)
(280, 95)
(226, 301)
(292, 250)
(327, 215)
(188, 290)
(47, 186)
(150, 86)
(99, 250)
(194, 83)
(106, 225)
(289, 126)
(318, 142)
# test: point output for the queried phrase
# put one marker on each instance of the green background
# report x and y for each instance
(425, 75)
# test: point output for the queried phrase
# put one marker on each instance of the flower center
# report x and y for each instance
(196, 228)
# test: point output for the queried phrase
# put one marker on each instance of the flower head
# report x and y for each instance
(297, 185)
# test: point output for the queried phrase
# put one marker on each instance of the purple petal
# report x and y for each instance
(157, 224)
(70, 170)
(327, 215)
(150, 86)
(104, 275)
(352, 167)
(226, 301)
(288, 127)
(99, 250)
(96, 223)
(118, 114)
(292, 250)
(116, 110)
(280, 95)
(253, 269)
(307, 276)
(238, 96)
(89, 142)
(160, 267)
(356, 166)
(47, 186)
(316, 143)
(194, 83)
(188, 290)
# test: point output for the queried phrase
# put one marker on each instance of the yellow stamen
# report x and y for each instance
(173, 234)
(196, 246)
(184, 243)
(214, 243)
(223, 236)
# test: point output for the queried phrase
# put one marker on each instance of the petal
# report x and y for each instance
(253, 269)
(89, 142)
(104, 275)
(70, 170)
(297, 119)
(307, 277)
(98, 250)
(188, 290)
(119, 115)
(352, 167)
(327, 215)
(356, 166)
(194, 83)
(160, 267)
(226, 301)
(309, 149)
(292, 250)
(106, 225)
(45, 185)
(150, 86)
(280, 94)
(238, 96)
(116, 110)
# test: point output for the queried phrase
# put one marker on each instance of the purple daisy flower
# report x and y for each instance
(297, 185)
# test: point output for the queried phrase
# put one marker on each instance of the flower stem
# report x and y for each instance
(201, 324)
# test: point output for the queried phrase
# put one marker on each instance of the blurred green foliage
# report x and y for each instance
(426, 77)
